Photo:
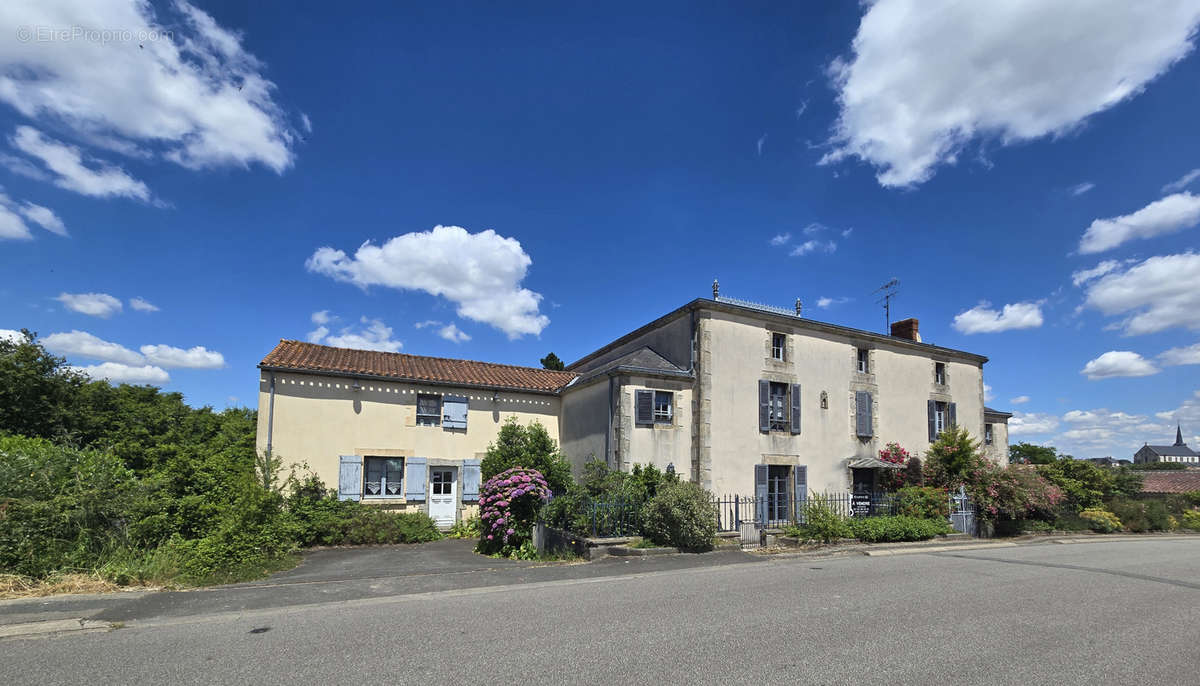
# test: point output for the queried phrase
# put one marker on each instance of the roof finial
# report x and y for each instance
(799, 307)
(1178, 435)
(716, 289)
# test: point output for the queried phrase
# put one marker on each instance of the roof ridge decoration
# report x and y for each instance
(759, 306)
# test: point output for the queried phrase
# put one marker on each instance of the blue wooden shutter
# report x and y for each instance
(952, 412)
(644, 407)
(764, 405)
(415, 474)
(454, 412)
(470, 479)
(801, 492)
(933, 432)
(862, 413)
(795, 408)
(760, 493)
(350, 478)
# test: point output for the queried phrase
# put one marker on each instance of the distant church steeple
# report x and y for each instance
(1178, 435)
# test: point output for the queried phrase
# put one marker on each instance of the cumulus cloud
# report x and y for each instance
(983, 319)
(142, 305)
(1084, 275)
(1159, 292)
(1116, 363)
(1081, 188)
(453, 334)
(1100, 432)
(372, 335)
(170, 357)
(915, 91)
(100, 305)
(123, 373)
(83, 344)
(74, 173)
(1182, 182)
(988, 396)
(811, 246)
(1179, 356)
(481, 273)
(190, 94)
(1168, 215)
(781, 238)
(1025, 423)
(1019, 400)
(11, 335)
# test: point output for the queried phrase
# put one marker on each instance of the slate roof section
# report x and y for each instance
(1182, 481)
(1173, 451)
(645, 360)
(299, 356)
(998, 413)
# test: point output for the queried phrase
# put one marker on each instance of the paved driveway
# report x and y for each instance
(447, 556)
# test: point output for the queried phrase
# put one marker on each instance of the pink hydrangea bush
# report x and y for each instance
(508, 507)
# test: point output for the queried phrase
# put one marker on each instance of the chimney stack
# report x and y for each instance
(907, 328)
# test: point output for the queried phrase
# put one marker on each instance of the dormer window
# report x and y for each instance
(778, 346)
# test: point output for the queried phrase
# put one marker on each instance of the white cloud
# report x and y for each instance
(453, 334)
(826, 302)
(927, 77)
(1179, 356)
(847, 232)
(1116, 363)
(813, 246)
(11, 335)
(306, 123)
(373, 335)
(1168, 215)
(1160, 292)
(190, 93)
(44, 217)
(83, 344)
(1182, 182)
(481, 273)
(988, 396)
(1081, 188)
(12, 227)
(815, 228)
(983, 319)
(123, 373)
(100, 305)
(142, 305)
(427, 322)
(1023, 423)
(1084, 275)
(1100, 432)
(23, 167)
(198, 357)
(72, 172)
(1019, 400)
(781, 238)
(321, 317)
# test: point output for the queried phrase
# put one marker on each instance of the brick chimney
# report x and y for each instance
(906, 328)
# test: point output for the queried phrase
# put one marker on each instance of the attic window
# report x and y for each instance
(778, 346)
(429, 410)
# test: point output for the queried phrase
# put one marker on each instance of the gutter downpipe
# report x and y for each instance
(695, 393)
(608, 434)
(271, 415)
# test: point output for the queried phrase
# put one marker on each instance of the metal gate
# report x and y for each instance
(962, 512)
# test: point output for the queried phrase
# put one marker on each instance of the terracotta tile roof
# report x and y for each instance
(1181, 481)
(310, 357)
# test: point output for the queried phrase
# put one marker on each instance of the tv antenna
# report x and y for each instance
(888, 290)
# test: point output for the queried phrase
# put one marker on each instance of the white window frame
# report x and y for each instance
(429, 419)
(988, 434)
(779, 418)
(940, 410)
(862, 360)
(779, 352)
(668, 416)
(384, 483)
(939, 373)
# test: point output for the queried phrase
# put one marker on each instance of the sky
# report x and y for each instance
(182, 185)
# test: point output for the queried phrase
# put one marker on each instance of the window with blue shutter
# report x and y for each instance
(764, 406)
(454, 412)
(862, 412)
(952, 417)
(933, 429)
(800, 495)
(350, 478)
(760, 493)
(470, 479)
(795, 408)
(415, 473)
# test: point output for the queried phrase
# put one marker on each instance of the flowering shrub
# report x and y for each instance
(1101, 520)
(1014, 492)
(891, 479)
(508, 506)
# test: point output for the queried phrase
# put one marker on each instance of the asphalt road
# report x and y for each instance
(1095, 613)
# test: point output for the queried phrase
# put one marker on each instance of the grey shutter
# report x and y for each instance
(952, 411)
(760, 493)
(470, 479)
(862, 412)
(415, 474)
(644, 410)
(454, 412)
(764, 405)
(800, 496)
(932, 421)
(795, 408)
(350, 478)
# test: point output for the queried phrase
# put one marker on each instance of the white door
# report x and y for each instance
(442, 505)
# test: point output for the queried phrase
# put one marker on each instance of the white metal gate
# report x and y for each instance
(962, 512)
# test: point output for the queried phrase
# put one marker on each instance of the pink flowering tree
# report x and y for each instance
(508, 507)
(891, 479)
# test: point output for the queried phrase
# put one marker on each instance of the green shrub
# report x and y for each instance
(530, 447)
(1190, 520)
(923, 502)
(1141, 515)
(1157, 466)
(1084, 485)
(681, 516)
(1100, 520)
(1071, 521)
(896, 528)
(465, 528)
(822, 521)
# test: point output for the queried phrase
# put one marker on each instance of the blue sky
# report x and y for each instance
(1024, 169)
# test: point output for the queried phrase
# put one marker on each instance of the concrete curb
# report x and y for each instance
(53, 627)
(935, 549)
